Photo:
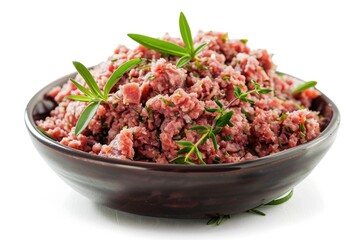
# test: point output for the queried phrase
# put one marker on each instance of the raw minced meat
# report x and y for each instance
(139, 124)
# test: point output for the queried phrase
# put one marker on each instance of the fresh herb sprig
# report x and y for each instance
(303, 87)
(217, 220)
(186, 53)
(94, 96)
(274, 202)
(220, 121)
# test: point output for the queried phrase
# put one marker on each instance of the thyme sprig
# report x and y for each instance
(220, 121)
(186, 53)
(94, 96)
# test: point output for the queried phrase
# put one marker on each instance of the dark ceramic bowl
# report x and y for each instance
(180, 191)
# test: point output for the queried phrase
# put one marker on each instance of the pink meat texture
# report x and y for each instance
(139, 125)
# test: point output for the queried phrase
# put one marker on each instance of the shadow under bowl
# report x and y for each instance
(180, 191)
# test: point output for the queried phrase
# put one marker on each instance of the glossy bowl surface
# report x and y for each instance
(180, 191)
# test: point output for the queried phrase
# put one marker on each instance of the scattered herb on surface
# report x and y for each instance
(274, 202)
(303, 87)
(167, 102)
(94, 96)
(186, 54)
(209, 132)
(219, 219)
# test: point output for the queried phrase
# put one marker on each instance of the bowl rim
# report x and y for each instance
(107, 161)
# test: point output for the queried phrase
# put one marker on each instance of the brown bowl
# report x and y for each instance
(180, 191)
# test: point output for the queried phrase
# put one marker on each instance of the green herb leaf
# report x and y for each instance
(216, 160)
(226, 77)
(115, 77)
(183, 61)
(184, 150)
(264, 90)
(185, 143)
(43, 131)
(145, 67)
(90, 81)
(256, 211)
(218, 103)
(217, 130)
(186, 33)
(228, 137)
(198, 127)
(237, 91)
(199, 155)
(225, 119)
(167, 102)
(86, 116)
(82, 88)
(200, 66)
(217, 219)
(303, 87)
(282, 117)
(213, 138)
(212, 110)
(281, 200)
(80, 98)
(178, 160)
(150, 112)
(159, 45)
(199, 48)
(302, 127)
(247, 115)
(244, 41)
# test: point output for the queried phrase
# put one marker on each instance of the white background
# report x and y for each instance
(310, 39)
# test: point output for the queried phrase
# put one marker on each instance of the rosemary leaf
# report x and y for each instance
(86, 116)
(303, 87)
(90, 81)
(159, 45)
(80, 98)
(281, 200)
(199, 48)
(244, 41)
(186, 34)
(167, 102)
(43, 131)
(82, 88)
(115, 77)
(256, 211)
(183, 61)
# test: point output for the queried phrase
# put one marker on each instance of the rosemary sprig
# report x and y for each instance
(94, 96)
(274, 202)
(187, 54)
(220, 121)
(303, 87)
(217, 219)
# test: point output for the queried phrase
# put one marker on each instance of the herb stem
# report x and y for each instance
(193, 148)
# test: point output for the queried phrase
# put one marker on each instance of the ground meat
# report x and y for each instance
(156, 104)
